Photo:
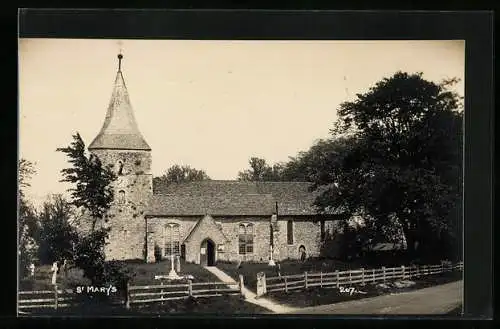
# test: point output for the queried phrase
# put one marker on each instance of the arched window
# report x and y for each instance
(172, 240)
(245, 238)
(121, 197)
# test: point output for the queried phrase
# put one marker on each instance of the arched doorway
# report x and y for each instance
(207, 253)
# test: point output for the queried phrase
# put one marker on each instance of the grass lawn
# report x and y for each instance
(287, 267)
(320, 296)
(144, 274)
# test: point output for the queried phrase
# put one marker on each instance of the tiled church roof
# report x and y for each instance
(119, 130)
(215, 205)
(217, 197)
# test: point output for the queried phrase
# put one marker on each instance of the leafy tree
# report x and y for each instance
(402, 159)
(93, 190)
(27, 218)
(305, 167)
(180, 174)
(57, 235)
(261, 171)
(26, 171)
(322, 161)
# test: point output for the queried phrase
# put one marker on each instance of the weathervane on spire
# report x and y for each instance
(120, 56)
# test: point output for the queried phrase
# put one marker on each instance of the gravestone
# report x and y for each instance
(261, 284)
(178, 264)
(54, 273)
(278, 270)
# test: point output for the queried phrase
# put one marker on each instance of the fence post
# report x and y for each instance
(403, 271)
(383, 272)
(442, 267)
(350, 277)
(286, 285)
(127, 295)
(321, 279)
(362, 275)
(161, 292)
(241, 284)
(190, 287)
(305, 280)
(55, 295)
(373, 275)
(338, 283)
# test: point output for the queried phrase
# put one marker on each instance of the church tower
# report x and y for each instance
(120, 146)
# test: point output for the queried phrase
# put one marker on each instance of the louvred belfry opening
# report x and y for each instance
(120, 130)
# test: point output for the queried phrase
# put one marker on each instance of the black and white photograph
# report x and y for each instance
(240, 177)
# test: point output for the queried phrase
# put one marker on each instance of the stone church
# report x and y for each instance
(202, 222)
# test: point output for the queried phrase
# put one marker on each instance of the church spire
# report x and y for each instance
(120, 130)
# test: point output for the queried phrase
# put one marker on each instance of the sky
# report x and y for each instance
(208, 104)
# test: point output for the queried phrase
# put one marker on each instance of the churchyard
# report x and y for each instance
(143, 274)
(71, 285)
(290, 283)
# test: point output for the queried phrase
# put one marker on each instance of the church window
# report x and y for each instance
(172, 240)
(289, 231)
(245, 238)
(121, 197)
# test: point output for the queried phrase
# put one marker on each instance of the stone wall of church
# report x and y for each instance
(306, 232)
(261, 238)
(132, 191)
(156, 232)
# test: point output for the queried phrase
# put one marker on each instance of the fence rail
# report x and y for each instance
(162, 293)
(45, 298)
(359, 276)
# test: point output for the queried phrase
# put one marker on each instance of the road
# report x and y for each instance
(433, 300)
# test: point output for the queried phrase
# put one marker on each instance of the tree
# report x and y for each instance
(180, 174)
(26, 171)
(57, 235)
(93, 190)
(321, 162)
(27, 218)
(403, 159)
(261, 171)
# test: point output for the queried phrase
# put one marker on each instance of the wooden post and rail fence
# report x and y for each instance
(134, 295)
(54, 299)
(350, 277)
